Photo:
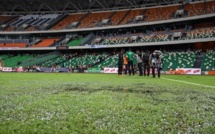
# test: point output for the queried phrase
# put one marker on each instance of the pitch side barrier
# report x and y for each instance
(187, 71)
(52, 70)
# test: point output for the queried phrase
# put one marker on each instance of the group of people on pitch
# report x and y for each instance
(145, 61)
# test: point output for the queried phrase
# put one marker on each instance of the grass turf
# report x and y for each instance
(105, 103)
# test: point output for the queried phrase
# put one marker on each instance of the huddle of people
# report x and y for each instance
(145, 61)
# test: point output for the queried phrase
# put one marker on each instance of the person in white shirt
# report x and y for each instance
(139, 63)
(155, 62)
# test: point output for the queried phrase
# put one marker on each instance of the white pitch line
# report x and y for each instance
(189, 83)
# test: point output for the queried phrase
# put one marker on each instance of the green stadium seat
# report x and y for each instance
(16, 60)
(208, 61)
(173, 60)
(75, 42)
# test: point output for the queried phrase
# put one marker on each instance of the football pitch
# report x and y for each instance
(106, 103)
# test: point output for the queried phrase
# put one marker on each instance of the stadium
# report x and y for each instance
(59, 61)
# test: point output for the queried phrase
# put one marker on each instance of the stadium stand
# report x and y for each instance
(194, 9)
(201, 33)
(55, 61)
(115, 40)
(159, 36)
(10, 29)
(46, 42)
(205, 25)
(5, 20)
(131, 15)
(162, 13)
(2, 18)
(118, 16)
(31, 28)
(209, 7)
(139, 38)
(33, 42)
(154, 38)
(24, 22)
(208, 62)
(13, 45)
(64, 41)
(36, 22)
(200, 8)
(75, 42)
(111, 61)
(16, 60)
(173, 60)
(5, 56)
(85, 60)
(38, 60)
(94, 18)
(67, 21)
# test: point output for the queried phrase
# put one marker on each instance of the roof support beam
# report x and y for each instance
(70, 3)
(167, 2)
(117, 3)
(176, 1)
(131, 3)
(54, 7)
(144, 3)
(45, 5)
(2, 8)
(23, 7)
(79, 4)
(101, 4)
(135, 3)
(91, 3)
(106, 3)
(18, 5)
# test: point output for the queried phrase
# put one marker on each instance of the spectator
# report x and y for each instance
(53, 68)
(34, 68)
(73, 68)
(28, 68)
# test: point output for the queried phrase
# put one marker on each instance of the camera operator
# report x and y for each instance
(155, 62)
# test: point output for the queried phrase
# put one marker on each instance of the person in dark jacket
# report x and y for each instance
(139, 62)
(146, 66)
(120, 62)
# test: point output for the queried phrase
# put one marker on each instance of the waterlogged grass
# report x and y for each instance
(98, 103)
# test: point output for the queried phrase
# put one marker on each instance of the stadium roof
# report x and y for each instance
(71, 6)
